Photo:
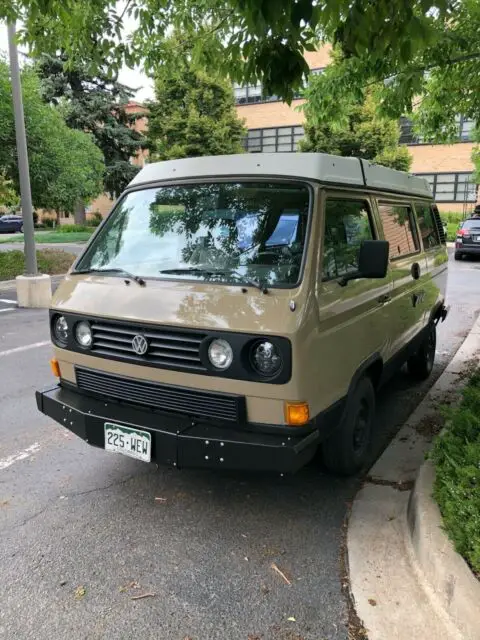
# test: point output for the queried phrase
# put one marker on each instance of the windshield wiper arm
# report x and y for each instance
(248, 281)
(138, 279)
(214, 272)
(183, 270)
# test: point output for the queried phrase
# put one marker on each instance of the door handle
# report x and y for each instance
(385, 298)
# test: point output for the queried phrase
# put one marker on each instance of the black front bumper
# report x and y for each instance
(178, 441)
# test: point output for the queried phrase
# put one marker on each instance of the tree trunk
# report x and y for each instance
(80, 215)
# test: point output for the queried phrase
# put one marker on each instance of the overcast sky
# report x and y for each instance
(134, 78)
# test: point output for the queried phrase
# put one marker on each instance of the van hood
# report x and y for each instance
(185, 304)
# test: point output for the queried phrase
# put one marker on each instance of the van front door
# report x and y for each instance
(353, 319)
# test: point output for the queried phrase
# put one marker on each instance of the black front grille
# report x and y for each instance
(166, 348)
(180, 400)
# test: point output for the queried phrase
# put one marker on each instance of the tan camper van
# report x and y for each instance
(242, 312)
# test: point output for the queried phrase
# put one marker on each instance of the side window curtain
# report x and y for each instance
(347, 224)
(399, 229)
(428, 226)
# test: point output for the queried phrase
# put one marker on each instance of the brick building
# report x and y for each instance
(275, 126)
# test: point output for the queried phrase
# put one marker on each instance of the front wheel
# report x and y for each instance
(21, 228)
(420, 365)
(346, 450)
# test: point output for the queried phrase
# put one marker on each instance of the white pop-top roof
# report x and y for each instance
(320, 167)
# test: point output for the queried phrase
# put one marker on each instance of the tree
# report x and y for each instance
(95, 104)
(9, 198)
(433, 83)
(65, 165)
(194, 112)
(252, 39)
(362, 133)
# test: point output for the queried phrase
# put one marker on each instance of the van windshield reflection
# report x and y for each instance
(236, 233)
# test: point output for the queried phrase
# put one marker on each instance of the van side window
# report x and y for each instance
(427, 225)
(399, 229)
(347, 224)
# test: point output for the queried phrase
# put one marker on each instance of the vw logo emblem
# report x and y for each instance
(140, 345)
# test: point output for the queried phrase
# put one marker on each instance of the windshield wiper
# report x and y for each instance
(215, 272)
(139, 280)
(180, 271)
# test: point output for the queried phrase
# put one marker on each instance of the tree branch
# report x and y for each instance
(447, 63)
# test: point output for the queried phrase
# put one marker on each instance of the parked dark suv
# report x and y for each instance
(11, 223)
(467, 242)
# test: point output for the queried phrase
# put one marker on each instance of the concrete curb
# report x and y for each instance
(11, 285)
(395, 598)
(445, 571)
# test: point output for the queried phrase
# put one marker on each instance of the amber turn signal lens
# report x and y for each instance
(297, 413)
(55, 367)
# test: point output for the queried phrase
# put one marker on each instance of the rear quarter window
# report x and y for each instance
(428, 225)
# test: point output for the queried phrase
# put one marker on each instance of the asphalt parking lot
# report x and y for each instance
(84, 531)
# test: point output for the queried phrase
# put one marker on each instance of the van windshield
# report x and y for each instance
(236, 232)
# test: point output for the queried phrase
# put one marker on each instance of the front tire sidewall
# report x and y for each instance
(347, 450)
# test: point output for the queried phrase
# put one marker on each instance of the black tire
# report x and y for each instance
(21, 228)
(420, 365)
(458, 255)
(347, 450)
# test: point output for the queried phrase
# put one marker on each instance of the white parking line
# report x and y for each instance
(17, 457)
(6, 301)
(25, 347)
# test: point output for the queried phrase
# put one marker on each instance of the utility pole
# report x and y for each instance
(22, 154)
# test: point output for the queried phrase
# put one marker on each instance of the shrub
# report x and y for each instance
(95, 219)
(451, 231)
(452, 216)
(49, 223)
(73, 228)
(51, 261)
(456, 455)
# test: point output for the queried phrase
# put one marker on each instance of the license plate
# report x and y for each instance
(131, 442)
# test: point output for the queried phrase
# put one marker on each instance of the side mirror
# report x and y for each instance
(372, 261)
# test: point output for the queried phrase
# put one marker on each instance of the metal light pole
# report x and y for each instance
(23, 169)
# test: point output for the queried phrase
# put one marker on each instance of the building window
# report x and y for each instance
(407, 135)
(273, 139)
(452, 187)
(251, 94)
(465, 130)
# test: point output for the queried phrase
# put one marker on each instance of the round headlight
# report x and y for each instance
(220, 354)
(83, 334)
(60, 330)
(266, 358)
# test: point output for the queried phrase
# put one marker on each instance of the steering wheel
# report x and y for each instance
(275, 254)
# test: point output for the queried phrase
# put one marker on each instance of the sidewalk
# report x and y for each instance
(393, 585)
(69, 247)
